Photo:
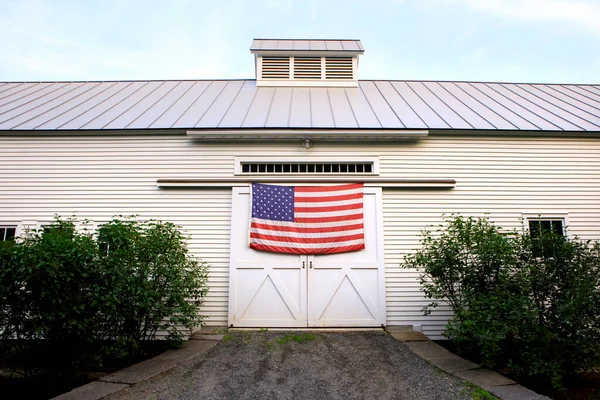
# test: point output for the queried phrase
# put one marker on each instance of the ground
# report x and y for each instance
(284, 365)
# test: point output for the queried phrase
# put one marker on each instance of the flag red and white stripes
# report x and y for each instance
(307, 219)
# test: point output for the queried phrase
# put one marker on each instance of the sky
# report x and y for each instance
(536, 41)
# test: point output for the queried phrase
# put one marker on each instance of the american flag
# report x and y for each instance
(307, 219)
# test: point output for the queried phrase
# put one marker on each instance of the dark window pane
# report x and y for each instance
(245, 168)
(7, 233)
(537, 227)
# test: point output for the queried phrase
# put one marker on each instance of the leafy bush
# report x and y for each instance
(45, 284)
(526, 304)
(80, 292)
(152, 285)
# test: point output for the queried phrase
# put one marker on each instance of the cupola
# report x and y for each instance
(306, 62)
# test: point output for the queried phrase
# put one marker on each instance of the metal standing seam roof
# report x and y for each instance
(341, 45)
(229, 104)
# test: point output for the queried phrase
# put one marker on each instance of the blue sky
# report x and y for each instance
(549, 41)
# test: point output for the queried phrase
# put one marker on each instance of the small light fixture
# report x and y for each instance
(307, 143)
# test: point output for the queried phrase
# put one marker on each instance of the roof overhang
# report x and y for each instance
(361, 135)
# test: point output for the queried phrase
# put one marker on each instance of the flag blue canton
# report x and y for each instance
(273, 202)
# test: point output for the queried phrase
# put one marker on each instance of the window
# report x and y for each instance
(7, 233)
(306, 168)
(540, 226)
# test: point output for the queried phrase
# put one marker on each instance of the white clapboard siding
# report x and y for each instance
(98, 177)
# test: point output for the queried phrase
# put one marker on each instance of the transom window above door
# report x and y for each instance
(251, 166)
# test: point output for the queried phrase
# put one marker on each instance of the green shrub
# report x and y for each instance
(106, 291)
(45, 289)
(527, 305)
(151, 285)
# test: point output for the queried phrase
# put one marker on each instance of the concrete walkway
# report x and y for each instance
(303, 365)
(143, 371)
(435, 354)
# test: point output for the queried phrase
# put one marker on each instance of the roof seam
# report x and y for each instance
(39, 105)
(569, 96)
(22, 90)
(211, 104)
(426, 104)
(32, 100)
(499, 104)
(447, 105)
(134, 104)
(114, 105)
(77, 105)
(249, 108)
(350, 106)
(404, 100)
(589, 91)
(173, 103)
(58, 105)
(192, 103)
(153, 104)
(289, 116)
(96, 105)
(558, 106)
(371, 106)
(595, 87)
(543, 108)
(270, 105)
(330, 108)
(230, 105)
(579, 93)
(16, 85)
(465, 104)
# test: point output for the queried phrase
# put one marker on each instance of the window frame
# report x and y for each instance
(10, 224)
(563, 217)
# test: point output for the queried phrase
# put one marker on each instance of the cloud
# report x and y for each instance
(583, 13)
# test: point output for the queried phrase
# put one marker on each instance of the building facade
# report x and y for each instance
(187, 151)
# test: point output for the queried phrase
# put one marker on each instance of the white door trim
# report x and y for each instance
(267, 269)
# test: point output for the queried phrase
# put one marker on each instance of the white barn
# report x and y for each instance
(186, 152)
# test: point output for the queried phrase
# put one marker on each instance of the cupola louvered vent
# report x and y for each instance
(307, 62)
(275, 67)
(338, 67)
(307, 67)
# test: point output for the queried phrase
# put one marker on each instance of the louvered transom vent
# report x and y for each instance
(338, 68)
(307, 67)
(306, 168)
(276, 67)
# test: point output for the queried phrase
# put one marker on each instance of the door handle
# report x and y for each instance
(303, 264)
(310, 264)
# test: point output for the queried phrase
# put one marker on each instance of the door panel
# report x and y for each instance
(265, 289)
(285, 290)
(347, 289)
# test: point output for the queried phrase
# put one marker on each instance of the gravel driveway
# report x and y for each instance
(303, 365)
